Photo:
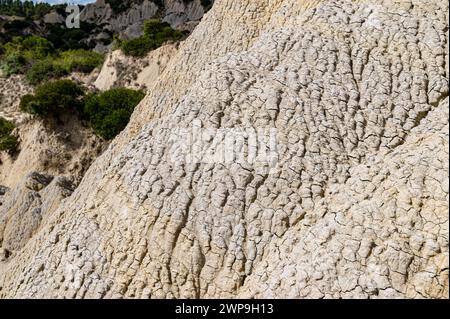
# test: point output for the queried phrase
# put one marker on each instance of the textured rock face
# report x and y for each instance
(97, 12)
(179, 13)
(67, 148)
(129, 23)
(356, 205)
(120, 70)
(53, 18)
(28, 206)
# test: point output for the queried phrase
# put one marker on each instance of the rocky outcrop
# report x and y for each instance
(27, 207)
(352, 201)
(53, 17)
(183, 14)
(129, 23)
(98, 12)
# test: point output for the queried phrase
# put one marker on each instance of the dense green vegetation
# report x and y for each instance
(31, 48)
(70, 39)
(12, 63)
(79, 60)
(7, 141)
(37, 58)
(53, 98)
(207, 3)
(156, 33)
(107, 113)
(44, 70)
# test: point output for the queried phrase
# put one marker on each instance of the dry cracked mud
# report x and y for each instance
(356, 205)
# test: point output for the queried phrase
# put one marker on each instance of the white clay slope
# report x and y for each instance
(357, 206)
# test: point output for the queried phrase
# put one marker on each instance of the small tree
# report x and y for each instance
(53, 98)
(109, 112)
(153, 26)
(138, 47)
(7, 141)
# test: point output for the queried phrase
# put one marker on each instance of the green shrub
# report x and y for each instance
(6, 127)
(17, 25)
(153, 26)
(79, 60)
(37, 59)
(12, 63)
(43, 71)
(109, 112)
(26, 103)
(206, 3)
(22, 54)
(53, 98)
(37, 48)
(7, 141)
(31, 47)
(117, 43)
(69, 39)
(138, 47)
(156, 33)
(13, 46)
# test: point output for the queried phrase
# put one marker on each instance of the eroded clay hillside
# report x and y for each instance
(63, 147)
(354, 203)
